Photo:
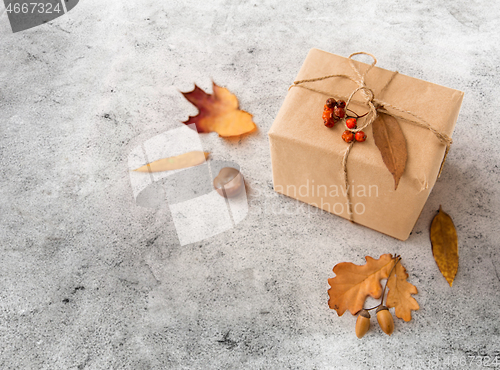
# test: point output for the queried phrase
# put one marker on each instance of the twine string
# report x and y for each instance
(375, 106)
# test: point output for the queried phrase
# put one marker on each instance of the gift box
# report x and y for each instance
(308, 159)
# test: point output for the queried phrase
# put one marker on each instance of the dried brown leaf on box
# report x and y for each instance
(184, 160)
(218, 112)
(400, 293)
(353, 283)
(391, 142)
(445, 245)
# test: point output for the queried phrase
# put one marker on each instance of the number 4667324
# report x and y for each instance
(40, 8)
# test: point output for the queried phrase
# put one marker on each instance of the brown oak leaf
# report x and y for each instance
(218, 112)
(353, 283)
(400, 292)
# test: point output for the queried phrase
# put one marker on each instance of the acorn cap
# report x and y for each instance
(381, 308)
(364, 313)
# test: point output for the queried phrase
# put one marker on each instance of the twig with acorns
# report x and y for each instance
(353, 284)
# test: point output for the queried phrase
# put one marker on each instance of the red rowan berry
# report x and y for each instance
(339, 112)
(351, 123)
(330, 123)
(327, 114)
(348, 136)
(330, 103)
(360, 136)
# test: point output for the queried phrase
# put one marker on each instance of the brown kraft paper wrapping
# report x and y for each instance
(307, 156)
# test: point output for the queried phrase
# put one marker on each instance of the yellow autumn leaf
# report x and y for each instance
(445, 245)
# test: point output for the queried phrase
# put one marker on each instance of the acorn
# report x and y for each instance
(385, 320)
(362, 323)
(229, 182)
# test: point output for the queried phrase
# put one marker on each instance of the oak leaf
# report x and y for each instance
(218, 112)
(391, 142)
(445, 245)
(400, 292)
(177, 162)
(353, 283)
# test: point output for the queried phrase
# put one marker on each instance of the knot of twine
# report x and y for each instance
(375, 106)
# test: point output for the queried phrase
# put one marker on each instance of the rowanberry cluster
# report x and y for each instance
(333, 112)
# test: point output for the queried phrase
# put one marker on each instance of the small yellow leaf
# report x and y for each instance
(185, 160)
(445, 245)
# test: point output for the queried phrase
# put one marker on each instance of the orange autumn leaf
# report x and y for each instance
(177, 162)
(218, 112)
(400, 293)
(353, 283)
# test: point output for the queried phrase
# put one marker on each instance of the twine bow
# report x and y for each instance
(375, 106)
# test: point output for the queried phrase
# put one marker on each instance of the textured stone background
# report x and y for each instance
(90, 280)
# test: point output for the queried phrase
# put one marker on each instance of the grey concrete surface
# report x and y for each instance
(91, 280)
